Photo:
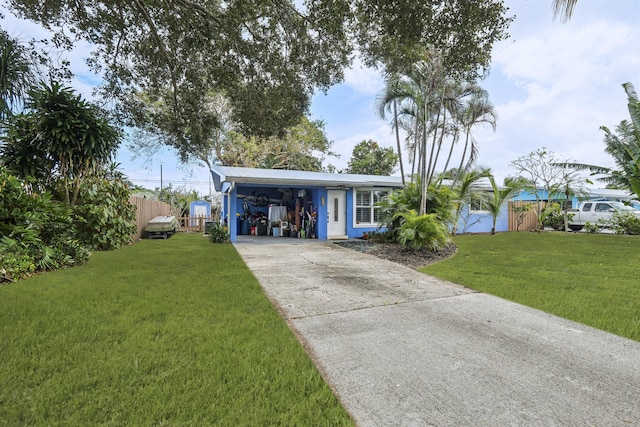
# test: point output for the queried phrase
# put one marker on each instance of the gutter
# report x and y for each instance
(231, 188)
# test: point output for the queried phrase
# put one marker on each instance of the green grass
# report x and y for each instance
(165, 332)
(592, 279)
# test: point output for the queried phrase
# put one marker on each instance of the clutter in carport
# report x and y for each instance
(291, 218)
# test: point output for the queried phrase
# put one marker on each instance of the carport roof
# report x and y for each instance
(298, 178)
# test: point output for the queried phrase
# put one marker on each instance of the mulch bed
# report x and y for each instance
(394, 252)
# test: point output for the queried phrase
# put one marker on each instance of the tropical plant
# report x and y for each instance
(435, 110)
(591, 228)
(401, 200)
(61, 137)
(105, 218)
(464, 191)
(418, 232)
(218, 233)
(16, 73)
(497, 199)
(386, 103)
(624, 146)
(441, 203)
(553, 217)
(625, 223)
(564, 9)
(36, 231)
(476, 110)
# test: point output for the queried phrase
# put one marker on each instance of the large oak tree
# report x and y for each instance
(161, 58)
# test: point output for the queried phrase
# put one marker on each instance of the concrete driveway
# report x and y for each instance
(400, 348)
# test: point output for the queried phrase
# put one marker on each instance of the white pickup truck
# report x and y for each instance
(597, 212)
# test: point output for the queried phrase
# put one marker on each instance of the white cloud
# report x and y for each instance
(367, 81)
(565, 82)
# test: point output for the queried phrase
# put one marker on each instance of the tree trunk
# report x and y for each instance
(395, 120)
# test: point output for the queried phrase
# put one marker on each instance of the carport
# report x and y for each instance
(301, 204)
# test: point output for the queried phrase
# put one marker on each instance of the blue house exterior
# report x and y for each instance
(339, 206)
(480, 221)
(602, 194)
(266, 201)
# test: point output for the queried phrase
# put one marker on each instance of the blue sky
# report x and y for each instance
(553, 85)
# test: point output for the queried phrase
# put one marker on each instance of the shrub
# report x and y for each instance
(625, 223)
(15, 266)
(591, 228)
(553, 217)
(105, 217)
(36, 232)
(439, 203)
(218, 233)
(421, 232)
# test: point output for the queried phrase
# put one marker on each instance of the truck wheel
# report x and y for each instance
(575, 227)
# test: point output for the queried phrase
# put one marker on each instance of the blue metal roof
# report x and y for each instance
(298, 178)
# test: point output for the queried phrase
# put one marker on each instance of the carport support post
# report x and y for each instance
(231, 213)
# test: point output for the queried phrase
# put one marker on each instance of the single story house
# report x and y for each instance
(290, 202)
(602, 194)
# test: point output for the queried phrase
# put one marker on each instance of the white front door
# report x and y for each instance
(337, 213)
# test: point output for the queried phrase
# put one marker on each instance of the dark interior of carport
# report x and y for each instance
(276, 211)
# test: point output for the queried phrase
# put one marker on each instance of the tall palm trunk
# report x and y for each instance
(395, 120)
(423, 170)
(454, 141)
(464, 154)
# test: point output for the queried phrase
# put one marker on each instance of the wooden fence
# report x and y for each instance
(523, 215)
(194, 224)
(147, 210)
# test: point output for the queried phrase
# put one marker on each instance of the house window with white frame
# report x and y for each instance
(366, 211)
(478, 203)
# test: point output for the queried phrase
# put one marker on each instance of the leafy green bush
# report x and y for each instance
(421, 232)
(14, 265)
(105, 218)
(218, 233)
(553, 217)
(439, 203)
(36, 232)
(591, 228)
(625, 223)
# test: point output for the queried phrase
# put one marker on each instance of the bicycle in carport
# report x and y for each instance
(255, 200)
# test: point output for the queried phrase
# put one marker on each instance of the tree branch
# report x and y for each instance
(165, 54)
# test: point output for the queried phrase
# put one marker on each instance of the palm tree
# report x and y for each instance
(564, 9)
(497, 198)
(476, 110)
(418, 107)
(624, 146)
(16, 73)
(63, 132)
(386, 103)
(463, 192)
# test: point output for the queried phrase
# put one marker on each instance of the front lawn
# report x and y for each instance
(592, 279)
(165, 332)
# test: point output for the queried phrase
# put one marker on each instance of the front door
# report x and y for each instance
(337, 213)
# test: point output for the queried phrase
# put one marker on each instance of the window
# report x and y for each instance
(478, 202)
(586, 207)
(366, 212)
